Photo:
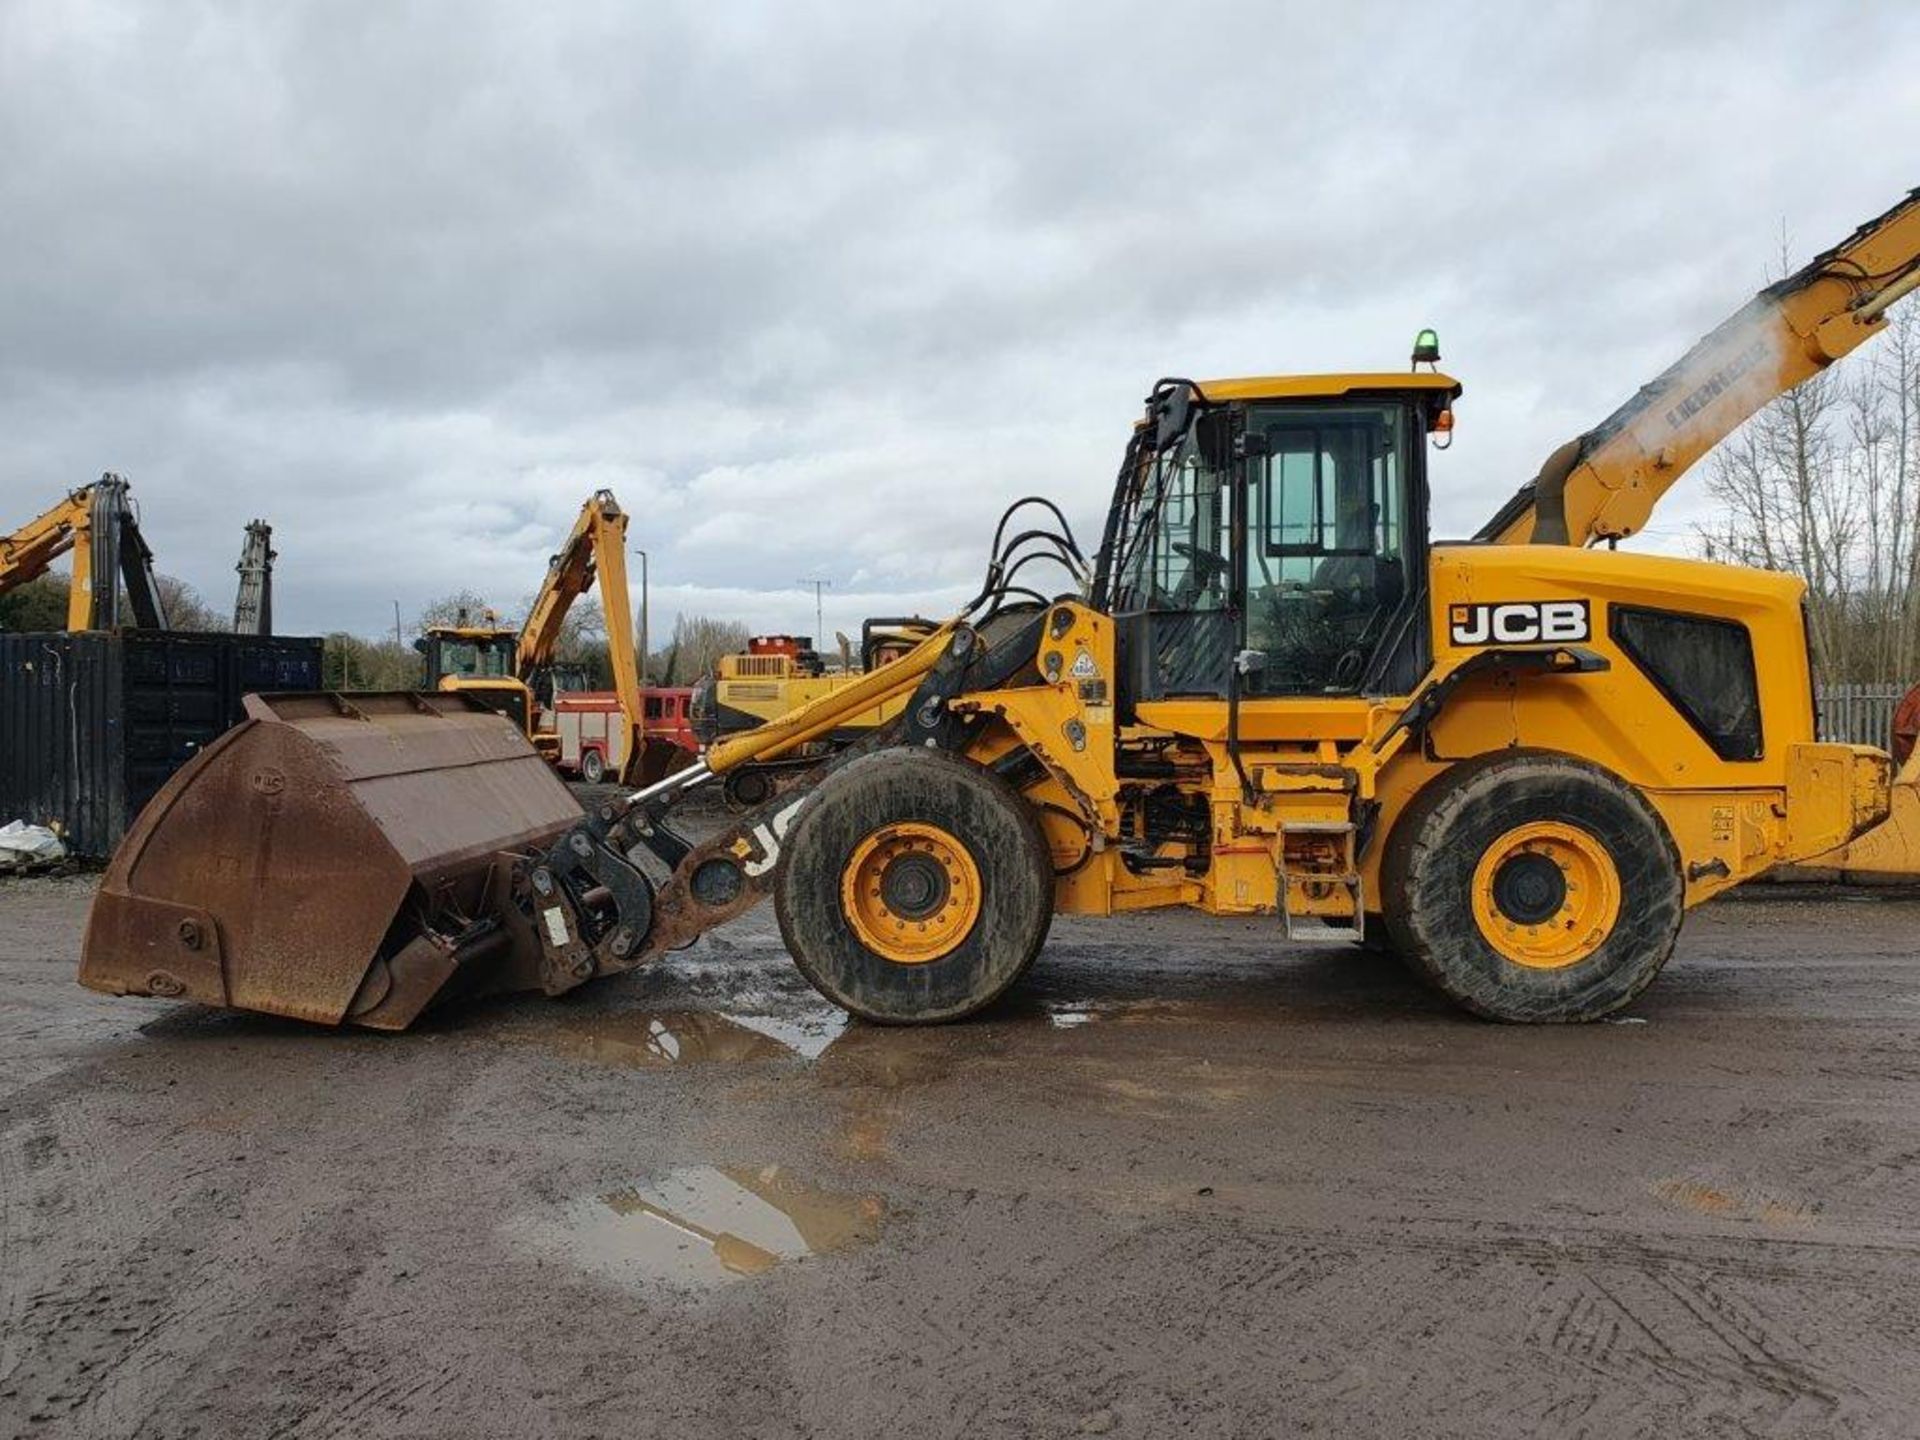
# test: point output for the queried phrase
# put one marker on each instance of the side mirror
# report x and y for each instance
(1169, 411)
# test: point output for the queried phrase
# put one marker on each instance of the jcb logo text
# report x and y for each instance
(1519, 622)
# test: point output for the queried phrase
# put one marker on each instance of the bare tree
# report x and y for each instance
(583, 630)
(462, 607)
(1825, 483)
(695, 649)
(184, 607)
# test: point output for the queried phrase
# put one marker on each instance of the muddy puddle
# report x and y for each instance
(645, 1039)
(1072, 1014)
(702, 1226)
(655, 1039)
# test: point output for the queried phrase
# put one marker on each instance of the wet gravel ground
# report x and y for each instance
(1191, 1181)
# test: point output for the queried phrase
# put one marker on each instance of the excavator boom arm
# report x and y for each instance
(97, 523)
(1603, 484)
(596, 549)
(26, 554)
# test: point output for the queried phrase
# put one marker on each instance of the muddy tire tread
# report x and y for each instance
(1427, 865)
(1001, 831)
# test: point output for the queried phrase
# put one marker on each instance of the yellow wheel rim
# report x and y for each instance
(911, 892)
(1546, 895)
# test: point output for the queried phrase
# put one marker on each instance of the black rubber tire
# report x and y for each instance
(1427, 876)
(593, 767)
(1000, 831)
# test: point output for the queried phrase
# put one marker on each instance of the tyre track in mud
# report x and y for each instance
(1186, 1182)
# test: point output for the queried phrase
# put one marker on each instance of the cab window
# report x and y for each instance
(1182, 565)
(1326, 562)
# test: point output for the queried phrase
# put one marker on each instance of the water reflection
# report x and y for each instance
(640, 1039)
(704, 1225)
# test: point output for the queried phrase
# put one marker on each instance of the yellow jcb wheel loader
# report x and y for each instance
(1268, 693)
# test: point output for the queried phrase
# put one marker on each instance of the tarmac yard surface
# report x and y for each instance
(1192, 1181)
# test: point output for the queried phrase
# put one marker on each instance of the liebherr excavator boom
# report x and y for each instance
(253, 600)
(1602, 485)
(1269, 693)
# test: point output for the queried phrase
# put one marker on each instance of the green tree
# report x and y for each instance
(41, 604)
(37, 605)
(351, 662)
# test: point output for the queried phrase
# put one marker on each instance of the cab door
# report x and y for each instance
(1283, 540)
(1332, 563)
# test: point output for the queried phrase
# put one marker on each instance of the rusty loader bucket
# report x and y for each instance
(335, 858)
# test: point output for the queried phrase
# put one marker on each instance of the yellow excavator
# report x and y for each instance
(780, 673)
(98, 526)
(510, 670)
(1522, 759)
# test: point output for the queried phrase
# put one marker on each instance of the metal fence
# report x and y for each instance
(1858, 714)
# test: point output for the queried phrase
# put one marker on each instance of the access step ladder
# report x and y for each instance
(1320, 877)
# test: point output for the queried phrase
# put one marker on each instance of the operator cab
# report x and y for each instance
(1270, 536)
(479, 661)
(467, 653)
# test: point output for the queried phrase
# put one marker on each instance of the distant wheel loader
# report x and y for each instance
(1269, 693)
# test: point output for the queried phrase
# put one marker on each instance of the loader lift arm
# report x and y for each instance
(595, 550)
(1602, 485)
(995, 636)
(713, 882)
(97, 523)
(988, 612)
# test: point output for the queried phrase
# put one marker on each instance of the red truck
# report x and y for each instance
(592, 739)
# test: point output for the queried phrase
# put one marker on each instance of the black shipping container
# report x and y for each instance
(91, 725)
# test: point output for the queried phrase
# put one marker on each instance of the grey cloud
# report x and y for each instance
(816, 289)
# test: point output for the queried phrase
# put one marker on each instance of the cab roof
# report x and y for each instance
(1310, 387)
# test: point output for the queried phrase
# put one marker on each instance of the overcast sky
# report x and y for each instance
(816, 289)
